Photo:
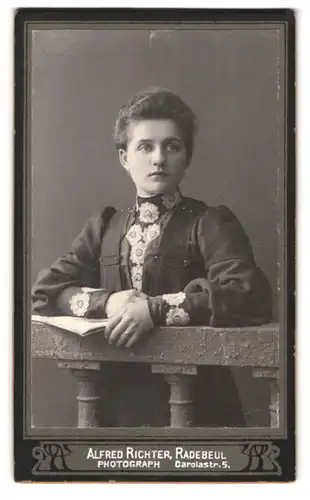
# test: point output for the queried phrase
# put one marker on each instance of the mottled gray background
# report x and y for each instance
(79, 80)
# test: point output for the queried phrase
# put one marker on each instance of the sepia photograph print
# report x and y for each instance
(154, 326)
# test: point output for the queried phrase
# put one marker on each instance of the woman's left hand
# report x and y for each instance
(127, 328)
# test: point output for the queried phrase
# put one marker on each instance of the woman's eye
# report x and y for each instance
(146, 148)
(173, 147)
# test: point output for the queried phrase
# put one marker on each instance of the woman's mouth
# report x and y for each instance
(158, 174)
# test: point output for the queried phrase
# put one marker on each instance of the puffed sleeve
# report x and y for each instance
(72, 285)
(233, 290)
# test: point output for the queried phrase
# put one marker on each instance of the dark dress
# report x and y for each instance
(200, 251)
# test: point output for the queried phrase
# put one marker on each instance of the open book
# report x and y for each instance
(81, 326)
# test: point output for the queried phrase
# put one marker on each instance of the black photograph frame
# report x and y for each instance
(270, 457)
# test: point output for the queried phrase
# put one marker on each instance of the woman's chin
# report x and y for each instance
(157, 188)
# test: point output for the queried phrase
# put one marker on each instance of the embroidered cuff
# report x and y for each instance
(174, 299)
(88, 302)
(79, 303)
(180, 309)
(177, 316)
(166, 310)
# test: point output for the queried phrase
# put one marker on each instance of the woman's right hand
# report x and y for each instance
(118, 301)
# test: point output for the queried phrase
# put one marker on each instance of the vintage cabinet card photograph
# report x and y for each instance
(154, 209)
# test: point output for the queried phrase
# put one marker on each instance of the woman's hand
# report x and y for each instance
(117, 302)
(127, 328)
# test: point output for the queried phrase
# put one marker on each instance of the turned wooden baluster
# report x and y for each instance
(180, 378)
(272, 376)
(88, 393)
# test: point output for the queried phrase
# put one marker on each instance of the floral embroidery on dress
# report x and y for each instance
(136, 276)
(177, 316)
(79, 303)
(148, 213)
(146, 230)
(134, 234)
(137, 253)
(174, 299)
(151, 232)
(139, 239)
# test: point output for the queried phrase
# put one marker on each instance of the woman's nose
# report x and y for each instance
(158, 157)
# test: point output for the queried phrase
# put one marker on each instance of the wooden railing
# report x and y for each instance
(174, 352)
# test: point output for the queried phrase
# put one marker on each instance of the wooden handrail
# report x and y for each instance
(175, 352)
(246, 346)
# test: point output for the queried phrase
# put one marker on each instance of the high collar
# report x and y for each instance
(162, 201)
(151, 208)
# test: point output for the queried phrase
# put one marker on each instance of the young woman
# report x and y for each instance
(167, 260)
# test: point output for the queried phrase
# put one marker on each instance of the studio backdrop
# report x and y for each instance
(80, 78)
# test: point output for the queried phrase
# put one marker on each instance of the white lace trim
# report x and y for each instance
(151, 232)
(136, 276)
(137, 253)
(177, 316)
(148, 212)
(174, 299)
(79, 303)
(135, 234)
(139, 240)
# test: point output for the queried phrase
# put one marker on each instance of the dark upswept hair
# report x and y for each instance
(156, 103)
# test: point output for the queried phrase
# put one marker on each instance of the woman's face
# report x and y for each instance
(156, 157)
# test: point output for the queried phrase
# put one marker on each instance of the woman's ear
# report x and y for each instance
(122, 153)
